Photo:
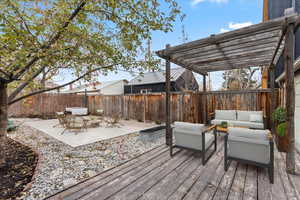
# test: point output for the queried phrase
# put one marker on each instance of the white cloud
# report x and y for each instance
(195, 2)
(239, 25)
(233, 26)
(223, 30)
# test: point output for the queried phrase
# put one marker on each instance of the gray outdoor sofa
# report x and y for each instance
(250, 146)
(195, 137)
(249, 119)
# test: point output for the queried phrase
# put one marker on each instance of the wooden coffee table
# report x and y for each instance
(221, 129)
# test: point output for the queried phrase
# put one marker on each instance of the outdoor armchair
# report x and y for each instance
(254, 147)
(195, 137)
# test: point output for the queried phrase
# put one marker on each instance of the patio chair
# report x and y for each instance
(254, 147)
(61, 119)
(195, 137)
(114, 121)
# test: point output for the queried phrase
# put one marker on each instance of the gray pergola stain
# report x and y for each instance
(257, 45)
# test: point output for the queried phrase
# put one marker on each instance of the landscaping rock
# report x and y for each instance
(62, 165)
(69, 182)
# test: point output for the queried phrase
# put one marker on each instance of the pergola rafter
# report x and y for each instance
(257, 45)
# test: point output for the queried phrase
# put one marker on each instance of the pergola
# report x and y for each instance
(257, 45)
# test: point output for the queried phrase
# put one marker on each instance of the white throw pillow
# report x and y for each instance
(256, 118)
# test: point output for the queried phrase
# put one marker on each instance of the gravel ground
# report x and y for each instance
(61, 165)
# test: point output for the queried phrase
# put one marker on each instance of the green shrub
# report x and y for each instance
(279, 115)
(281, 129)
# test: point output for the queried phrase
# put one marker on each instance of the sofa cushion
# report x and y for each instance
(245, 115)
(225, 114)
(189, 126)
(256, 118)
(219, 121)
(247, 124)
(248, 133)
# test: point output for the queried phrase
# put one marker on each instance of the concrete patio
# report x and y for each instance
(88, 136)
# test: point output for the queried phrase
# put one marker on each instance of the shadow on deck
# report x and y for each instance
(155, 175)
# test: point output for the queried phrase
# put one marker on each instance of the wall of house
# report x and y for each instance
(114, 89)
(276, 9)
(187, 81)
(297, 110)
(157, 87)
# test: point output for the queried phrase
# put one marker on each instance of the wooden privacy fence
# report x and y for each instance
(184, 106)
(45, 105)
(187, 106)
(242, 100)
(149, 107)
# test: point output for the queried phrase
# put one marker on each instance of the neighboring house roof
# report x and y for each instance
(51, 84)
(93, 87)
(296, 66)
(156, 77)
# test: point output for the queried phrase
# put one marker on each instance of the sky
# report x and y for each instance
(203, 18)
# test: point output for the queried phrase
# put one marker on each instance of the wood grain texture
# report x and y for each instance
(155, 175)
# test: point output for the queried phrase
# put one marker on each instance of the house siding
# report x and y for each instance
(157, 87)
(276, 9)
(114, 89)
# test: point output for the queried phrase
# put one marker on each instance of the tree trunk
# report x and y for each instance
(3, 122)
(290, 96)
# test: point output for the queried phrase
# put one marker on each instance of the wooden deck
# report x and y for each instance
(154, 175)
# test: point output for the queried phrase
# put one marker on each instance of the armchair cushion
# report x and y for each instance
(189, 127)
(191, 139)
(225, 114)
(249, 149)
(248, 133)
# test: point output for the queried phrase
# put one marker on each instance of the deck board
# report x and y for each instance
(155, 175)
(250, 187)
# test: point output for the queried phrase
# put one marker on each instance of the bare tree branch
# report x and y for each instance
(60, 86)
(23, 85)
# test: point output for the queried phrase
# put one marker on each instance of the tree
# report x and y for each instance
(240, 79)
(82, 37)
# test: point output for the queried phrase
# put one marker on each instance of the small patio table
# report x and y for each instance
(221, 129)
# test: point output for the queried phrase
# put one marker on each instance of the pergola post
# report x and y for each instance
(168, 97)
(272, 86)
(289, 56)
(204, 113)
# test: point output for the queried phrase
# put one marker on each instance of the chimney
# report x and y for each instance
(71, 87)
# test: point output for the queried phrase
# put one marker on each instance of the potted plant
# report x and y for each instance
(224, 124)
(279, 119)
